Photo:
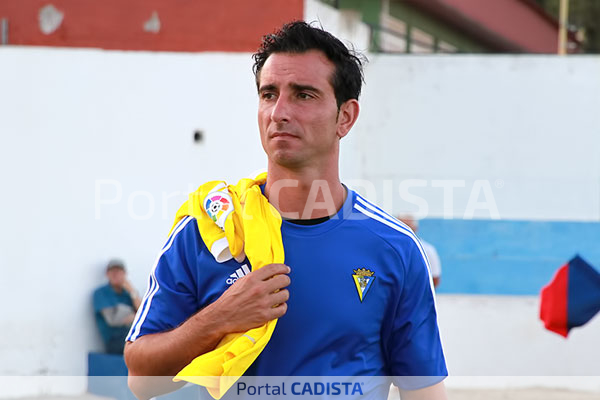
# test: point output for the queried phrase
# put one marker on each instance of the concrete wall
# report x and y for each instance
(502, 336)
(507, 257)
(518, 134)
(98, 153)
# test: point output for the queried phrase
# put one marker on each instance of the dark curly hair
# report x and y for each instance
(299, 37)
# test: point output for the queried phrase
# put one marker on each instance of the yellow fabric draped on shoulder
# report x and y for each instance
(234, 221)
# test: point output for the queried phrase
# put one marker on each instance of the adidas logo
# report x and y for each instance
(240, 272)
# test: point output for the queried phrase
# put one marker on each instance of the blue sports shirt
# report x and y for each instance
(361, 298)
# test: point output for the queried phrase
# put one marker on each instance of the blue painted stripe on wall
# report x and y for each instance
(507, 257)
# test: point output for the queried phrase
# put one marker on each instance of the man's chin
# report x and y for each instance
(287, 159)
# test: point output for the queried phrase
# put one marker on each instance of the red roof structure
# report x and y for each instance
(503, 25)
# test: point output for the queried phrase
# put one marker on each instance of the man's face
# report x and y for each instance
(297, 111)
(116, 277)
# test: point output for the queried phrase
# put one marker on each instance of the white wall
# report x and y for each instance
(72, 118)
(503, 336)
(527, 125)
(511, 137)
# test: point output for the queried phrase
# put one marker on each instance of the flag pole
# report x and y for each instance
(562, 28)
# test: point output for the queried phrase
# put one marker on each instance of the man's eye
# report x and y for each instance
(267, 95)
(304, 95)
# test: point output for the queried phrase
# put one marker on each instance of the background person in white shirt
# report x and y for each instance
(432, 254)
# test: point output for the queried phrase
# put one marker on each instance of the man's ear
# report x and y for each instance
(347, 116)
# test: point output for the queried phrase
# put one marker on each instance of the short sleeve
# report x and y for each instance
(101, 299)
(171, 297)
(415, 351)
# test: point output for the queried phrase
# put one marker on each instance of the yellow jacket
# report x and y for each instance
(234, 221)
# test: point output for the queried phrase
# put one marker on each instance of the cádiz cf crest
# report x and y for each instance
(363, 279)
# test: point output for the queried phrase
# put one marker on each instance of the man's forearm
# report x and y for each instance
(251, 301)
(166, 353)
(154, 359)
(136, 300)
(435, 392)
(147, 387)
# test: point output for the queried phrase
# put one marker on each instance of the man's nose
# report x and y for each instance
(281, 110)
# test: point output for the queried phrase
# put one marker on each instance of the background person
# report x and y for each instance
(115, 305)
(432, 255)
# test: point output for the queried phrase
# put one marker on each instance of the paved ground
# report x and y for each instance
(514, 394)
(521, 394)
(453, 394)
(82, 397)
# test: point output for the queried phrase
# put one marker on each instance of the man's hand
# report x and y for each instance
(128, 287)
(250, 302)
(255, 299)
(135, 297)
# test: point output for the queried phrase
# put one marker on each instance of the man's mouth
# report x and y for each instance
(282, 134)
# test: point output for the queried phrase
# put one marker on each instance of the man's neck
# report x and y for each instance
(118, 289)
(305, 194)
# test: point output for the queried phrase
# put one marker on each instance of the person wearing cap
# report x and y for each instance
(115, 304)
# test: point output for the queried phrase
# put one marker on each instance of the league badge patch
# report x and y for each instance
(218, 206)
(363, 279)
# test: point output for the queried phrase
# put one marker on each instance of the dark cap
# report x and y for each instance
(115, 263)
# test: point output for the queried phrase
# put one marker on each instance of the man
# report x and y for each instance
(115, 305)
(354, 297)
(435, 264)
